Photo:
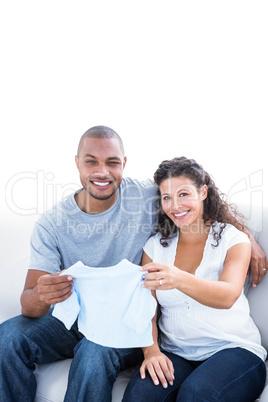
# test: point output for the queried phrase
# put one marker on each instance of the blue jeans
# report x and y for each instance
(231, 375)
(25, 342)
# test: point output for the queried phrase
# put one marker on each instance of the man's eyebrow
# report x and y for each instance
(114, 158)
(89, 156)
(94, 157)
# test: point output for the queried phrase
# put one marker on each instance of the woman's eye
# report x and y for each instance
(183, 195)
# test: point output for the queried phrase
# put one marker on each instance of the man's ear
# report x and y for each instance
(124, 162)
(77, 161)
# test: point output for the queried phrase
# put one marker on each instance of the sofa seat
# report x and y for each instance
(56, 375)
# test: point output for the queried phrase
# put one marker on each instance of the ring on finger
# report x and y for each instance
(160, 282)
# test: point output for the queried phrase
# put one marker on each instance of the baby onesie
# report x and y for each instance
(112, 308)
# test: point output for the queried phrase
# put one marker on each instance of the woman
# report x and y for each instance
(196, 266)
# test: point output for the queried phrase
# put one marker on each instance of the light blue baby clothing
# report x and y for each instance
(112, 308)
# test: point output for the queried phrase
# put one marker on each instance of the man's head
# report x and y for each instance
(100, 160)
(100, 132)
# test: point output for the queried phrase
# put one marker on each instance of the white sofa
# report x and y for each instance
(52, 378)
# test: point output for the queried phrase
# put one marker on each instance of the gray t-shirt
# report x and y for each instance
(65, 234)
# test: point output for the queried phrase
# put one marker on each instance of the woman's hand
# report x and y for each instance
(160, 276)
(160, 368)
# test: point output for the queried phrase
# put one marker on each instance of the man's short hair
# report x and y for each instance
(100, 132)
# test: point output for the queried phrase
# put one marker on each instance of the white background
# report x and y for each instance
(171, 77)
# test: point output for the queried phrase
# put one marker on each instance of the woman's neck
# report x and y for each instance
(194, 233)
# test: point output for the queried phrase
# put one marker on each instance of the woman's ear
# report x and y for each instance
(204, 192)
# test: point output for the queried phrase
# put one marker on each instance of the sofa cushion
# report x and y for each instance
(258, 297)
(56, 375)
(258, 302)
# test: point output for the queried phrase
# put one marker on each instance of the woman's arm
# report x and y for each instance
(155, 362)
(217, 294)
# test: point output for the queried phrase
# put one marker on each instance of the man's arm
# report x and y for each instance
(41, 290)
(258, 262)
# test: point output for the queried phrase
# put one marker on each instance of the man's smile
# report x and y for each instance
(101, 183)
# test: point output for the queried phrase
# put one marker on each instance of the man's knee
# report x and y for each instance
(10, 330)
(19, 332)
(13, 342)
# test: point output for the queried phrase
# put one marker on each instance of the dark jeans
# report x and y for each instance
(25, 342)
(231, 375)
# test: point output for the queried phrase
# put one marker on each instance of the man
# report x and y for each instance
(108, 220)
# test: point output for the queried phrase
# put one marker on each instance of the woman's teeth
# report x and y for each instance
(181, 214)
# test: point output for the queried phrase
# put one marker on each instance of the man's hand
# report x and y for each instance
(53, 288)
(41, 290)
(258, 263)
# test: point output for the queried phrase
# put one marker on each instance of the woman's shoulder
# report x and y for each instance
(232, 230)
(153, 240)
(154, 247)
(231, 235)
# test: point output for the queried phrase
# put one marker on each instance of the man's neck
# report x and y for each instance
(91, 205)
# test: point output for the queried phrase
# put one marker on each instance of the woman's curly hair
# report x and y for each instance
(215, 206)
